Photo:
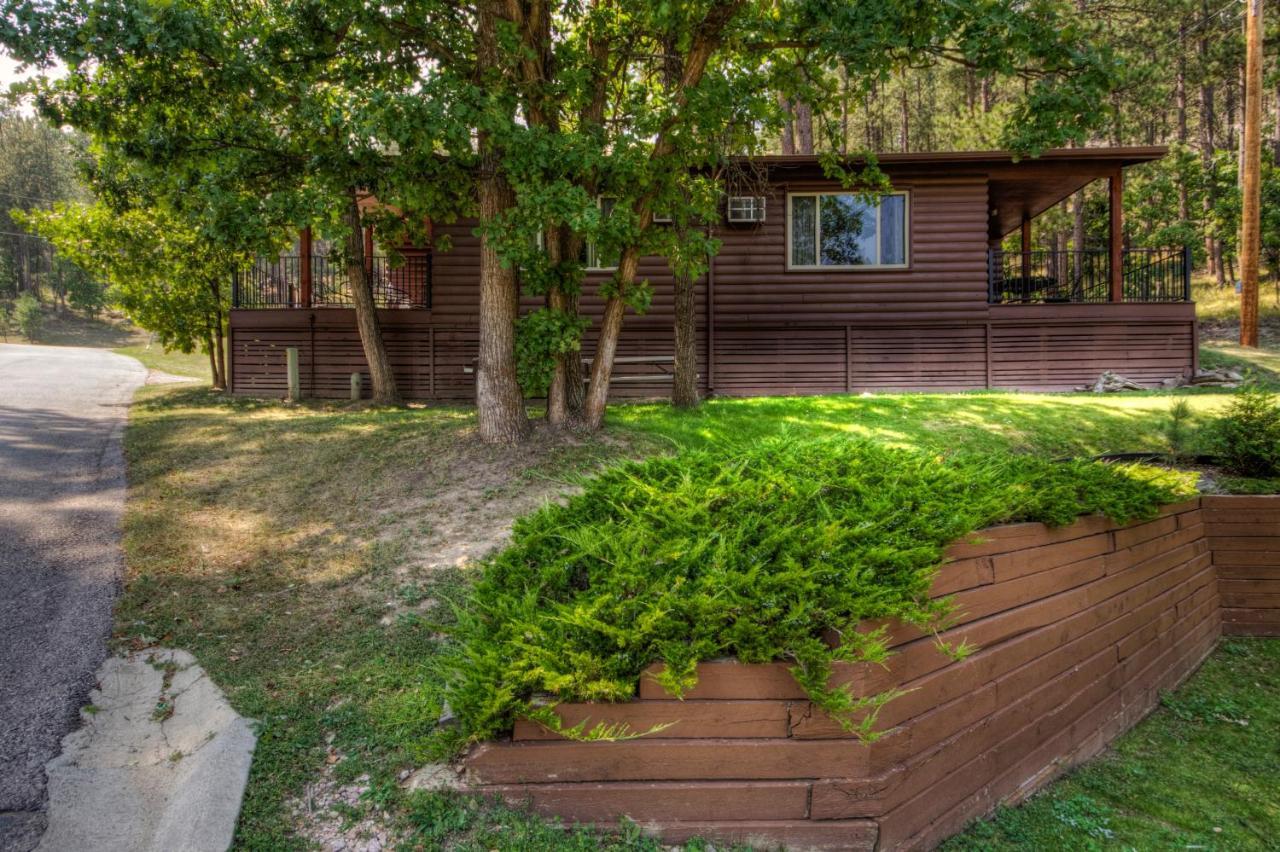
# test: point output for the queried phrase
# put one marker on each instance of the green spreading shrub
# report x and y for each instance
(779, 552)
(27, 316)
(1248, 433)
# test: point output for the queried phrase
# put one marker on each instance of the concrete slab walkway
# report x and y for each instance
(159, 765)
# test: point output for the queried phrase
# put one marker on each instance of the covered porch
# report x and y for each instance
(1019, 192)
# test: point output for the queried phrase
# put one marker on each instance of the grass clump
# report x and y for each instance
(762, 554)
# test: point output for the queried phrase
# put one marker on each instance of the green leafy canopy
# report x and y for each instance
(784, 551)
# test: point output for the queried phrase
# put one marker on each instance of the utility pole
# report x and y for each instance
(1250, 169)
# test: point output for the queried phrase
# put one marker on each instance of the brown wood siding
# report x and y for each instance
(776, 331)
(946, 277)
(1045, 354)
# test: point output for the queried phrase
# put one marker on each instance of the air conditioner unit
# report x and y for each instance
(746, 208)
(662, 219)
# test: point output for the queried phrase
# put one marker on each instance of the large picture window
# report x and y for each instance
(842, 230)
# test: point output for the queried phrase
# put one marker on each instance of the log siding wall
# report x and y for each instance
(1078, 630)
(767, 329)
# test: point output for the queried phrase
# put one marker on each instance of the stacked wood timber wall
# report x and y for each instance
(1244, 534)
(1078, 630)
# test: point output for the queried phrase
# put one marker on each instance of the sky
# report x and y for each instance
(9, 72)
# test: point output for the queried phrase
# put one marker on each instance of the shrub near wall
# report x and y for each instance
(795, 550)
(1079, 629)
(1076, 628)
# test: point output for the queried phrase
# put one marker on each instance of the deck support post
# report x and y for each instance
(304, 266)
(291, 371)
(1115, 238)
(368, 250)
(1026, 250)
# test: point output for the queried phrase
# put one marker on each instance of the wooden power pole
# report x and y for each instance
(1251, 178)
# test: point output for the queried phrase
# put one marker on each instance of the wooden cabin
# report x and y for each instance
(813, 291)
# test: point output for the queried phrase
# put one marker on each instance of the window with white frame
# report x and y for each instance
(595, 259)
(834, 230)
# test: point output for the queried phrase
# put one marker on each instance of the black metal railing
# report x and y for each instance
(1082, 277)
(280, 282)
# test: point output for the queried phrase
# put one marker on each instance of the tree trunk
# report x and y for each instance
(706, 40)
(844, 113)
(499, 401)
(1207, 144)
(500, 410)
(788, 126)
(1180, 99)
(212, 352)
(804, 129)
(217, 352)
(382, 379)
(1275, 128)
(557, 409)
(564, 396)
(220, 380)
(684, 384)
(1077, 221)
(904, 137)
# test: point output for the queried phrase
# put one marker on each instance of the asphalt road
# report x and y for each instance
(62, 414)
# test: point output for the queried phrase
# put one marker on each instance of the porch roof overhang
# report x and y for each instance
(1017, 187)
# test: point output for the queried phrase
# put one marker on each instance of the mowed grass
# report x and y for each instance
(289, 548)
(1049, 424)
(1202, 772)
(153, 356)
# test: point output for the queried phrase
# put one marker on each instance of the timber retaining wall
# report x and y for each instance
(1078, 630)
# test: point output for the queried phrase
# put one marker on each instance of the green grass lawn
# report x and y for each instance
(305, 556)
(1053, 424)
(1202, 772)
(154, 357)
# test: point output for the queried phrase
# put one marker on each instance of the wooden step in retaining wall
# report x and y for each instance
(1078, 628)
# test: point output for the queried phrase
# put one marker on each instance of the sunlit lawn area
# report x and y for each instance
(1054, 424)
(154, 357)
(1222, 304)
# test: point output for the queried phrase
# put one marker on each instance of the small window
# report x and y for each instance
(843, 230)
(595, 259)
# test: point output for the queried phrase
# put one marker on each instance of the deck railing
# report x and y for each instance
(1077, 277)
(280, 282)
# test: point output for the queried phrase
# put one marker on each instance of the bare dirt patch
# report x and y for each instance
(306, 555)
(478, 491)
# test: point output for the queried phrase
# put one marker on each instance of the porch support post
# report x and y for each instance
(368, 250)
(1116, 236)
(304, 265)
(1026, 249)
